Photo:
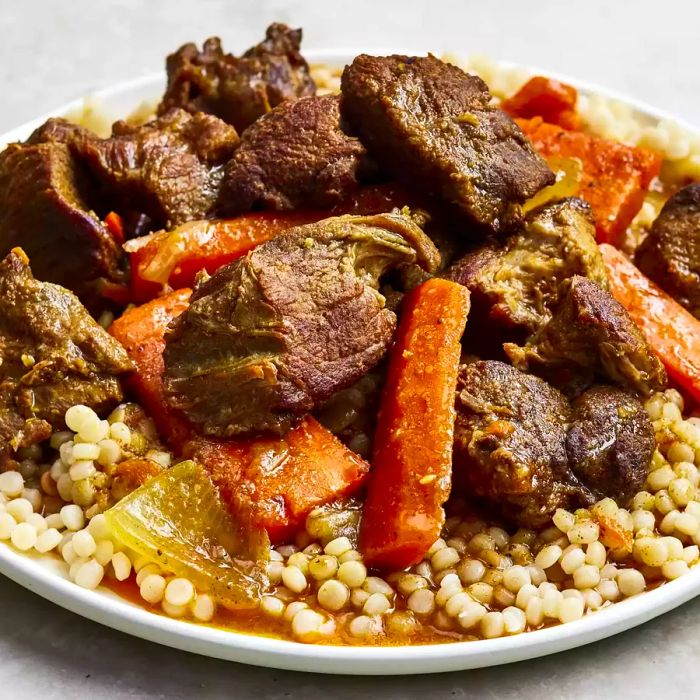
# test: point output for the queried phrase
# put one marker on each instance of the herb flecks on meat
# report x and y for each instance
(53, 356)
(238, 90)
(273, 335)
(434, 128)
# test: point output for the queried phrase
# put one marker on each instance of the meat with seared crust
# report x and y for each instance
(432, 126)
(295, 156)
(670, 254)
(591, 332)
(238, 90)
(272, 335)
(510, 443)
(53, 355)
(610, 442)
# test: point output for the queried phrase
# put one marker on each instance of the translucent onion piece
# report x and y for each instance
(336, 519)
(177, 520)
(568, 172)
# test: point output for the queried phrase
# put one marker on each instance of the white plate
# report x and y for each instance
(43, 574)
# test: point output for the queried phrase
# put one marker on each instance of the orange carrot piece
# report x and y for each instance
(412, 464)
(277, 480)
(615, 177)
(115, 225)
(672, 332)
(543, 97)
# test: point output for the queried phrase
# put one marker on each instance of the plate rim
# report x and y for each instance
(106, 608)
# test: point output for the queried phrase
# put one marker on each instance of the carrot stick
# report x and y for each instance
(278, 481)
(672, 331)
(615, 177)
(543, 97)
(412, 463)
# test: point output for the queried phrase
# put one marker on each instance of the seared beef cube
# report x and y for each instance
(53, 355)
(294, 156)
(273, 335)
(432, 126)
(670, 254)
(238, 90)
(610, 443)
(510, 443)
(517, 285)
(590, 331)
(169, 169)
(43, 209)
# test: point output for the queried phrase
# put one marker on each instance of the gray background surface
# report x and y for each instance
(54, 51)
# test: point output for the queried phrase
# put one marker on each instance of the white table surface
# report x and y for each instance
(53, 51)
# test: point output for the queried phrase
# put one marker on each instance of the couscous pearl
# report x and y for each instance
(515, 578)
(179, 591)
(152, 588)
(73, 517)
(630, 582)
(693, 508)
(121, 433)
(364, 626)
(73, 570)
(358, 597)
(483, 592)
(98, 527)
(550, 603)
(23, 536)
(294, 579)
(324, 566)
(652, 551)
(274, 571)
(471, 614)
(147, 570)
(36, 521)
(314, 549)
(85, 451)
(563, 520)
(81, 470)
(592, 599)
(470, 571)
(122, 566)
(68, 553)
(204, 607)
(548, 556)
(421, 601)
(376, 604)
(668, 523)
(583, 533)
(307, 624)
(334, 595)
(457, 604)
(109, 452)
(675, 547)
(673, 569)
(570, 609)
(681, 491)
(275, 555)
(173, 610)
(89, 575)
(402, 622)
(643, 500)
(84, 544)
(301, 561)
(691, 554)
(492, 625)
(350, 555)
(643, 520)
(660, 478)
(338, 546)
(353, 573)
(608, 590)
(444, 558)
(503, 596)
(54, 521)
(20, 509)
(586, 576)
(64, 485)
(374, 584)
(7, 523)
(524, 595)
(514, 620)
(435, 547)
(680, 452)
(596, 554)
(572, 560)
(34, 496)
(664, 503)
(480, 542)
(293, 608)
(11, 483)
(458, 543)
(47, 540)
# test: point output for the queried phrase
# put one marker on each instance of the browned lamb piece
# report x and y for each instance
(45, 207)
(295, 156)
(169, 169)
(434, 128)
(238, 90)
(591, 332)
(53, 355)
(273, 335)
(670, 254)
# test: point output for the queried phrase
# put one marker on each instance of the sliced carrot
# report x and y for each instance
(277, 480)
(543, 97)
(615, 177)
(672, 332)
(115, 225)
(412, 464)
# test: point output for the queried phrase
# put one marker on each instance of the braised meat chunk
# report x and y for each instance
(610, 442)
(53, 356)
(670, 254)
(44, 209)
(238, 90)
(432, 126)
(296, 155)
(517, 285)
(510, 443)
(169, 169)
(272, 335)
(591, 332)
